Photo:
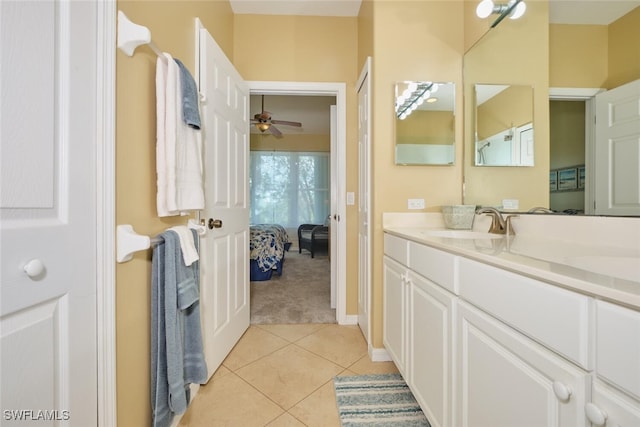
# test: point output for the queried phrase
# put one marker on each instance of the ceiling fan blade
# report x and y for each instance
(275, 131)
(284, 122)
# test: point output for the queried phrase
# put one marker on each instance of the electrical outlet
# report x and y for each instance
(415, 204)
(510, 204)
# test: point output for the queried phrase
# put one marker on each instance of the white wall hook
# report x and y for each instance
(128, 242)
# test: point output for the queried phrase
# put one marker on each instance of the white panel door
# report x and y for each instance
(48, 213)
(364, 203)
(617, 151)
(224, 261)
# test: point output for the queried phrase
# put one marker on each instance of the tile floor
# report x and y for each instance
(282, 375)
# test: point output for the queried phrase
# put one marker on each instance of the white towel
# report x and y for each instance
(187, 244)
(178, 147)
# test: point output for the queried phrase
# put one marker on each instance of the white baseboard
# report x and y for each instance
(379, 355)
(349, 319)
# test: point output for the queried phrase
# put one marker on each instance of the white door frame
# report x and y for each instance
(588, 95)
(339, 90)
(105, 211)
(364, 260)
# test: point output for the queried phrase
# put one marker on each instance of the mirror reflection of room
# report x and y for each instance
(425, 123)
(504, 125)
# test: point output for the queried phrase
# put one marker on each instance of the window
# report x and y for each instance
(289, 188)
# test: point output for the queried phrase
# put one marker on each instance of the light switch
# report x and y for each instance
(351, 198)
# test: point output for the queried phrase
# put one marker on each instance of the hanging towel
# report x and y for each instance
(177, 357)
(166, 96)
(190, 100)
(179, 147)
(187, 244)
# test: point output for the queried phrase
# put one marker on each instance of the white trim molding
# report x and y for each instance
(339, 90)
(105, 212)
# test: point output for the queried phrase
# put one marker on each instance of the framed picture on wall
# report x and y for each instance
(553, 181)
(581, 177)
(567, 179)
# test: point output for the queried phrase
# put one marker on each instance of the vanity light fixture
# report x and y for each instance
(514, 9)
(414, 96)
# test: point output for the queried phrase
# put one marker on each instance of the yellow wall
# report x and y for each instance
(411, 41)
(521, 47)
(263, 142)
(624, 49)
(578, 55)
(595, 56)
(426, 127)
(172, 29)
(512, 107)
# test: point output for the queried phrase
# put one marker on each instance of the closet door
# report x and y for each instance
(48, 212)
(225, 249)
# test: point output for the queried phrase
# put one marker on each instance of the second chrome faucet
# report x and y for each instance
(499, 225)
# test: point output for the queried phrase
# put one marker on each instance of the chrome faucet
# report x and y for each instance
(498, 224)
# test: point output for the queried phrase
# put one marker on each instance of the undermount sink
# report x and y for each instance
(462, 234)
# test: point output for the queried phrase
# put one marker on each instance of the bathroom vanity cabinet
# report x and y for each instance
(483, 346)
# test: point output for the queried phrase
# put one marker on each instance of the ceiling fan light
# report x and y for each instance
(262, 126)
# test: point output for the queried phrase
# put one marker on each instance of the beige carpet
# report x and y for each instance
(301, 295)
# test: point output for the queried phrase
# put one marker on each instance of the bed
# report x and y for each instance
(267, 245)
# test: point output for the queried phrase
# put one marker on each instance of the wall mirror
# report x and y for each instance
(425, 123)
(504, 125)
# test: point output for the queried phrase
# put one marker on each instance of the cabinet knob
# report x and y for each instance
(596, 415)
(563, 393)
(34, 268)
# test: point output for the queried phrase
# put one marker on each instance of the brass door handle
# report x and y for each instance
(214, 223)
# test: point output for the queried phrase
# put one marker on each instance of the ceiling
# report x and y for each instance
(601, 12)
(312, 111)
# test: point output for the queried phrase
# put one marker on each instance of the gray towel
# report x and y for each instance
(190, 101)
(177, 357)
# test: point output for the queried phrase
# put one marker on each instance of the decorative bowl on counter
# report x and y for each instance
(459, 217)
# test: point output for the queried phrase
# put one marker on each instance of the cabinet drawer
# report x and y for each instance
(396, 248)
(618, 346)
(555, 317)
(436, 265)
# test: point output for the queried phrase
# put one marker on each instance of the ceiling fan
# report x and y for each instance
(264, 122)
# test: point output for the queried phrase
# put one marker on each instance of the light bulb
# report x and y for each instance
(519, 10)
(413, 86)
(434, 88)
(484, 9)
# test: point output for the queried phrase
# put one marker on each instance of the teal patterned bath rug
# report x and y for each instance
(377, 400)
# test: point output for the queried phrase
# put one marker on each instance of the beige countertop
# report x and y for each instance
(600, 270)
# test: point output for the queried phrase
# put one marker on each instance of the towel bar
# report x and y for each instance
(128, 241)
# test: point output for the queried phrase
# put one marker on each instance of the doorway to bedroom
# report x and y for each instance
(294, 185)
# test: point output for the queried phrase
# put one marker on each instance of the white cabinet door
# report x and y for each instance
(394, 312)
(431, 361)
(505, 379)
(611, 408)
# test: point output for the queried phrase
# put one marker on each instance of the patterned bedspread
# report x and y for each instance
(267, 244)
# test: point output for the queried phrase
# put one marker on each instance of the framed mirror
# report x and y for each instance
(425, 123)
(504, 125)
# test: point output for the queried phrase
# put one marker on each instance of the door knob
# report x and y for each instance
(214, 223)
